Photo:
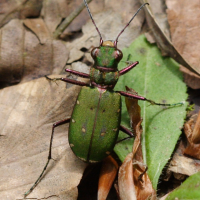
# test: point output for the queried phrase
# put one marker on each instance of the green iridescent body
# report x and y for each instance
(94, 125)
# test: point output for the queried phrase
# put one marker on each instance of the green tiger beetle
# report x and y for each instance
(95, 121)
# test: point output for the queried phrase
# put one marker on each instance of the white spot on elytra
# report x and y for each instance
(83, 130)
(71, 145)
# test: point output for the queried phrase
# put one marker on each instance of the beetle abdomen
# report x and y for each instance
(94, 127)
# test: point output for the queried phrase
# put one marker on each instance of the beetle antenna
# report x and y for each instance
(116, 40)
(101, 40)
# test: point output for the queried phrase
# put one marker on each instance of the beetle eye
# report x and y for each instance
(118, 55)
(94, 52)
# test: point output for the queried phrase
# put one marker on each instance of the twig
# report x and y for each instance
(68, 20)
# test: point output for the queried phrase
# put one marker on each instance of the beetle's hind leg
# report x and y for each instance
(49, 156)
(81, 74)
(134, 96)
(127, 131)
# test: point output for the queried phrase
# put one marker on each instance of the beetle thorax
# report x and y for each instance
(104, 72)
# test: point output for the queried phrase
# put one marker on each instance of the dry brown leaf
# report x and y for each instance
(129, 9)
(192, 132)
(74, 55)
(133, 109)
(159, 12)
(11, 60)
(190, 78)
(24, 56)
(40, 59)
(163, 42)
(95, 7)
(38, 27)
(184, 26)
(181, 164)
(27, 113)
(60, 56)
(107, 176)
(196, 131)
(126, 186)
(51, 14)
(80, 67)
(133, 186)
(19, 9)
(31, 9)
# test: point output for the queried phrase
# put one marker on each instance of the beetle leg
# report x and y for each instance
(81, 74)
(127, 138)
(68, 81)
(127, 94)
(49, 156)
(127, 131)
(127, 69)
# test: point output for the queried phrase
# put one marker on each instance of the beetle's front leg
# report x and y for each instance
(49, 156)
(134, 96)
(127, 69)
(81, 74)
(68, 81)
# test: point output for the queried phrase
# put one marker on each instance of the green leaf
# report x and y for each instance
(159, 79)
(189, 190)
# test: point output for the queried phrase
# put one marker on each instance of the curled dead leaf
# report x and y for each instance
(133, 109)
(133, 181)
(192, 132)
(181, 164)
(164, 43)
(184, 30)
(107, 176)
